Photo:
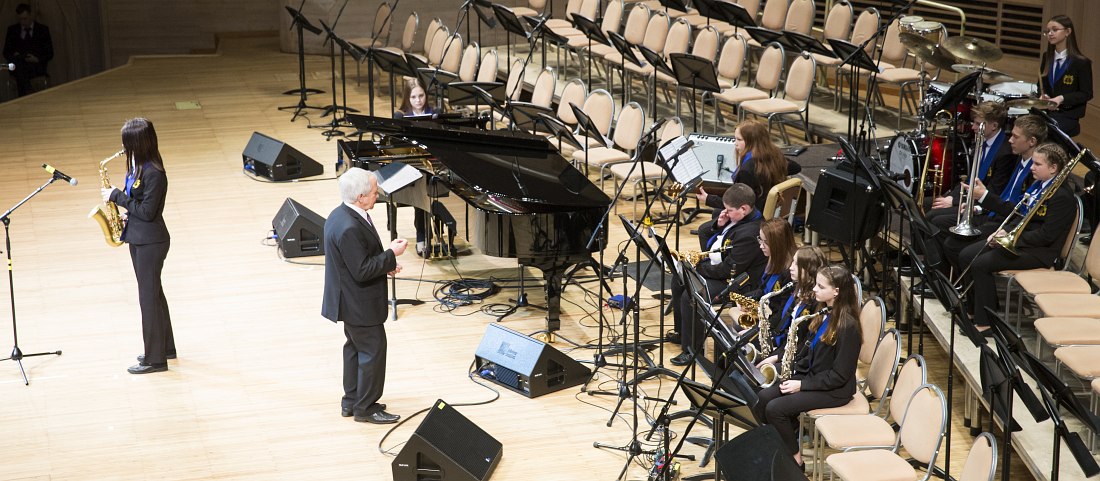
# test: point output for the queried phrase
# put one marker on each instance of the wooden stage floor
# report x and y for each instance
(255, 393)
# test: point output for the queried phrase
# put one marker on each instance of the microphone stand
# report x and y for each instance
(17, 354)
(334, 126)
(299, 24)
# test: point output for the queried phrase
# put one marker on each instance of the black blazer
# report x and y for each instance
(355, 270)
(746, 175)
(144, 207)
(830, 368)
(17, 48)
(1075, 86)
(1045, 234)
(1000, 171)
(743, 252)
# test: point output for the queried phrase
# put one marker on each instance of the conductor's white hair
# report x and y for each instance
(354, 182)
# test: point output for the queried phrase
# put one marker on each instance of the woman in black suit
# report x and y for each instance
(1065, 75)
(823, 372)
(143, 198)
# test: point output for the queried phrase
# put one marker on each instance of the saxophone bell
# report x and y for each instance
(106, 215)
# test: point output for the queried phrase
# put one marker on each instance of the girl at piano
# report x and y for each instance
(761, 165)
(414, 103)
(807, 260)
(823, 370)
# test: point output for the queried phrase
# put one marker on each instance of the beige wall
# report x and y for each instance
(75, 29)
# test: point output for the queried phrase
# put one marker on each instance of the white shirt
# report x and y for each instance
(362, 213)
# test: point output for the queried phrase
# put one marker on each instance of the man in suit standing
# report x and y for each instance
(356, 294)
(27, 45)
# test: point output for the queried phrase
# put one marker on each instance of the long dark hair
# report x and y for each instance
(846, 305)
(781, 244)
(768, 162)
(139, 139)
(1072, 51)
(809, 260)
(406, 106)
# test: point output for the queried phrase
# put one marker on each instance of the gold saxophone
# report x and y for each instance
(792, 344)
(107, 214)
(1008, 241)
(690, 256)
(764, 315)
(749, 309)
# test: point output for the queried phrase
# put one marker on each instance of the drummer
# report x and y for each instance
(1065, 75)
(997, 164)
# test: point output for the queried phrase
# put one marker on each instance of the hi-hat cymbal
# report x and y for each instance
(973, 49)
(1040, 104)
(935, 55)
(989, 76)
(913, 41)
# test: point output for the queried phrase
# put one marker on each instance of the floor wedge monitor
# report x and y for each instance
(526, 365)
(272, 158)
(447, 447)
(299, 232)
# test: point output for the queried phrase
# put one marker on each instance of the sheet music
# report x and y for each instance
(396, 175)
(685, 168)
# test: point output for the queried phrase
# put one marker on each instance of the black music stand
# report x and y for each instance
(677, 5)
(393, 177)
(808, 43)
(335, 108)
(512, 25)
(539, 29)
(854, 55)
(592, 31)
(765, 36)
(732, 13)
(300, 24)
(525, 114)
(627, 51)
(696, 73)
(467, 93)
(584, 122)
(477, 6)
(436, 79)
(16, 353)
(658, 62)
(558, 129)
(723, 407)
(1056, 393)
(395, 63)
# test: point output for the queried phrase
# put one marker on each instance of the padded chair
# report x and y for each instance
(677, 41)
(1083, 361)
(451, 54)
(612, 20)
(487, 71)
(797, 91)
(773, 18)
(624, 141)
(865, 26)
(1066, 331)
(766, 82)
(534, 8)
(981, 462)
(872, 322)
(542, 96)
(1094, 405)
(656, 33)
(468, 68)
(408, 35)
(838, 22)
(429, 38)
(1046, 281)
(573, 6)
(782, 200)
(600, 107)
(574, 92)
(921, 434)
(800, 17)
(894, 73)
(1071, 287)
(633, 31)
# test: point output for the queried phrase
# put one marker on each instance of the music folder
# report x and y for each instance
(395, 176)
(685, 167)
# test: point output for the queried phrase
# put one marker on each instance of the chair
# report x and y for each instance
(468, 68)
(800, 17)
(439, 41)
(573, 6)
(628, 131)
(783, 199)
(1083, 362)
(838, 22)
(921, 434)
(768, 74)
(673, 128)
(1094, 405)
(705, 46)
(656, 32)
(872, 322)
(451, 55)
(1066, 331)
(487, 71)
(1072, 288)
(612, 19)
(574, 92)
(534, 8)
(429, 38)
(895, 73)
(408, 35)
(542, 96)
(380, 31)
(633, 31)
(677, 41)
(981, 462)
(796, 98)
(600, 107)
(773, 18)
(866, 25)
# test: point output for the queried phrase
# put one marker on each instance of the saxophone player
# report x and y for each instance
(777, 242)
(822, 373)
(807, 260)
(1041, 240)
(143, 198)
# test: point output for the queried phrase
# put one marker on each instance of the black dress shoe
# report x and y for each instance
(141, 357)
(673, 337)
(682, 360)
(347, 413)
(1086, 239)
(143, 368)
(378, 417)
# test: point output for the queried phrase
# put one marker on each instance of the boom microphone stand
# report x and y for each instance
(16, 353)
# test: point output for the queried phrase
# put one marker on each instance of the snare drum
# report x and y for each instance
(907, 153)
(905, 24)
(1014, 90)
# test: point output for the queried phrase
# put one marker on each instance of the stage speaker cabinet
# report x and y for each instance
(525, 365)
(276, 160)
(299, 232)
(447, 447)
(844, 211)
(757, 455)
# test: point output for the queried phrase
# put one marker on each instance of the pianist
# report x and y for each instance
(414, 103)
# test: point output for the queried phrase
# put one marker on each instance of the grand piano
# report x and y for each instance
(521, 199)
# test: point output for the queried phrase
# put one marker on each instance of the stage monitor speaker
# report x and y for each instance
(299, 231)
(276, 160)
(757, 455)
(525, 365)
(842, 211)
(447, 447)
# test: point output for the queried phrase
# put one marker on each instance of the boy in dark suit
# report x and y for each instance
(27, 45)
(355, 293)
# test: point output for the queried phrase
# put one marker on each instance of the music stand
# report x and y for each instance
(395, 63)
(1056, 393)
(627, 51)
(732, 13)
(525, 114)
(723, 407)
(436, 79)
(854, 55)
(677, 5)
(335, 108)
(808, 43)
(584, 122)
(393, 177)
(539, 29)
(697, 73)
(300, 23)
(592, 31)
(512, 25)
(558, 129)
(765, 36)
(658, 62)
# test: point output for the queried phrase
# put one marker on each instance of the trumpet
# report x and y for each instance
(963, 226)
(792, 346)
(106, 215)
(939, 171)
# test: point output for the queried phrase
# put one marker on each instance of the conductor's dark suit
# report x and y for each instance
(356, 294)
(17, 46)
(148, 238)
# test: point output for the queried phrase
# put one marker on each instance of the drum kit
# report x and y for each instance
(923, 158)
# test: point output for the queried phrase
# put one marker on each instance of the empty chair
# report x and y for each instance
(574, 93)
(677, 41)
(633, 30)
(981, 462)
(573, 6)
(795, 101)
(656, 33)
(800, 17)
(408, 35)
(612, 18)
(894, 72)
(534, 8)
(451, 54)
(429, 37)
(866, 25)
(487, 71)
(600, 108)
(467, 69)
(1033, 282)
(768, 74)
(838, 22)
(773, 18)
(624, 141)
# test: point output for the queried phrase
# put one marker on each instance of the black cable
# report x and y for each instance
(255, 178)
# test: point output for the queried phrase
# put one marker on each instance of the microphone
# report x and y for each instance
(9, 66)
(57, 174)
(736, 283)
(652, 130)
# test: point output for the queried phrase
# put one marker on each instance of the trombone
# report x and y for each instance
(963, 226)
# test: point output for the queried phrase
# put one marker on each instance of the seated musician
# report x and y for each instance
(997, 163)
(803, 271)
(822, 373)
(731, 240)
(1040, 240)
(778, 245)
(414, 102)
(761, 165)
(1027, 134)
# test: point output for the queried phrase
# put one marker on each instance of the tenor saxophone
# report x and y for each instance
(106, 215)
(785, 364)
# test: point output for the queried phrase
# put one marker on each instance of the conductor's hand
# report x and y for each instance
(701, 195)
(943, 202)
(105, 192)
(395, 271)
(790, 387)
(398, 246)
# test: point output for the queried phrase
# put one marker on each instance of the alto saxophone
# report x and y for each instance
(764, 314)
(749, 310)
(106, 215)
(690, 256)
(792, 344)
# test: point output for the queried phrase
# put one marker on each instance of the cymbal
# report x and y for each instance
(973, 49)
(913, 41)
(989, 76)
(1040, 104)
(935, 55)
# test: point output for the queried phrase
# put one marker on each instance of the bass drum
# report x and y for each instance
(907, 154)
